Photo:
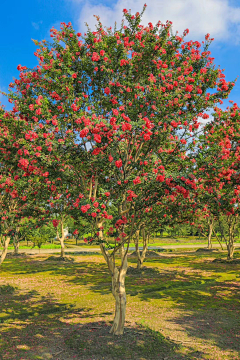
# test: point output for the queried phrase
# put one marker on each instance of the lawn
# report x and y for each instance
(162, 241)
(44, 246)
(180, 306)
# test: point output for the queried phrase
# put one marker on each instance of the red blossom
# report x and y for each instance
(137, 180)
(107, 90)
(55, 222)
(84, 209)
(115, 112)
(84, 132)
(97, 138)
(95, 56)
(23, 162)
(118, 163)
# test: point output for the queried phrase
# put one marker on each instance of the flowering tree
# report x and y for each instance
(20, 193)
(10, 186)
(170, 209)
(117, 112)
(218, 166)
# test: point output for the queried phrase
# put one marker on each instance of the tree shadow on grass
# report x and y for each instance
(214, 326)
(201, 295)
(39, 327)
(26, 265)
(31, 325)
(147, 283)
(209, 308)
(93, 341)
(198, 261)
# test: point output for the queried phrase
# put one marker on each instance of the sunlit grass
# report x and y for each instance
(180, 303)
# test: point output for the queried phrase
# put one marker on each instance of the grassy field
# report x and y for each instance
(44, 246)
(180, 306)
(190, 240)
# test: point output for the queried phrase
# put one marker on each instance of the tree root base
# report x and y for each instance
(60, 258)
(226, 261)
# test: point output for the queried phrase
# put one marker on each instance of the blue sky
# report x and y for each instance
(32, 19)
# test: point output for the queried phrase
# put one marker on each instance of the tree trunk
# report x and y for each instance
(16, 246)
(141, 257)
(62, 247)
(137, 247)
(118, 286)
(61, 239)
(210, 231)
(119, 293)
(230, 245)
(4, 252)
(230, 248)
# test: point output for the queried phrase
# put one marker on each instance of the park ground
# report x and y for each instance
(182, 305)
(164, 242)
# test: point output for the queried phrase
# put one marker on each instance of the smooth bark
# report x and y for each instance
(118, 285)
(210, 231)
(232, 223)
(141, 256)
(16, 242)
(62, 238)
(230, 245)
(119, 293)
(6, 242)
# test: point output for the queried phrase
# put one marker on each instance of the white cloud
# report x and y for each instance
(203, 122)
(36, 25)
(217, 17)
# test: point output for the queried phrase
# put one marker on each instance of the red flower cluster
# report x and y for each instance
(23, 163)
(137, 180)
(85, 208)
(55, 222)
(118, 163)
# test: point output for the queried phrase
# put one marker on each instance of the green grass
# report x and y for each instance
(180, 306)
(45, 246)
(190, 240)
(175, 243)
(86, 246)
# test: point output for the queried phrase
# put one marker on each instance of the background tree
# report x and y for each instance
(219, 167)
